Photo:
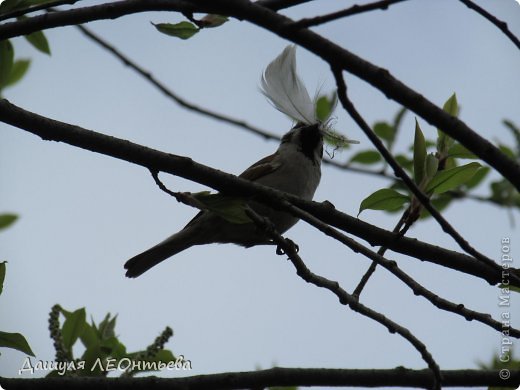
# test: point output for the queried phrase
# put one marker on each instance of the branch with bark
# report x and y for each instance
(278, 376)
(283, 26)
(154, 160)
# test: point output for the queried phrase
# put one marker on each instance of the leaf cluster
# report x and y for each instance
(437, 169)
(100, 343)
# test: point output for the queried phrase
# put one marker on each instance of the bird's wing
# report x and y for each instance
(261, 168)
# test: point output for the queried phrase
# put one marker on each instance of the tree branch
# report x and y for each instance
(355, 9)
(276, 377)
(281, 25)
(154, 160)
(502, 26)
(35, 8)
(345, 298)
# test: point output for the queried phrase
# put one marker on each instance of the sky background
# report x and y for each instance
(82, 215)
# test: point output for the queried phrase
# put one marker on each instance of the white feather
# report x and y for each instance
(285, 90)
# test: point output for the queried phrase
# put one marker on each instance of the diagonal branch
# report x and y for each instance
(502, 26)
(281, 25)
(399, 172)
(345, 298)
(354, 10)
(393, 268)
(50, 129)
(169, 93)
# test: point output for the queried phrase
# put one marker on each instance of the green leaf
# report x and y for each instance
(325, 106)
(432, 165)
(182, 30)
(18, 70)
(107, 327)
(2, 275)
(385, 131)
(213, 20)
(460, 151)
(39, 41)
(451, 105)
(6, 61)
(384, 199)
(510, 287)
(89, 337)
(507, 151)
(230, 208)
(419, 154)
(477, 177)
(444, 142)
(73, 327)
(7, 220)
(15, 341)
(450, 178)
(366, 157)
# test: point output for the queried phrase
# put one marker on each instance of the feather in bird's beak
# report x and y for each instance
(285, 90)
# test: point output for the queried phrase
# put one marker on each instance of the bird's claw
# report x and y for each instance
(290, 243)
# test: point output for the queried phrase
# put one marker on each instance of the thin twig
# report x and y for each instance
(402, 223)
(377, 258)
(392, 266)
(345, 298)
(355, 9)
(168, 92)
(399, 172)
(50, 129)
(502, 26)
(204, 111)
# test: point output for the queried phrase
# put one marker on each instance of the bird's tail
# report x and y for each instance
(141, 263)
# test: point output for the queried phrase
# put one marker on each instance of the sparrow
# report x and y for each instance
(295, 168)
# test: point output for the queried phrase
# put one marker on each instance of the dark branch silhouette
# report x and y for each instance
(289, 248)
(502, 26)
(354, 10)
(278, 376)
(154, 160)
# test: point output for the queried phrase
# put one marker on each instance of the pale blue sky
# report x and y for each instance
(83, 214)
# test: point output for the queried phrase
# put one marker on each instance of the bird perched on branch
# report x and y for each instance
(293, 168)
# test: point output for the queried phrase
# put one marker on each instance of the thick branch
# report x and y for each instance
(397, 377)
(330, 52)
(184, 167)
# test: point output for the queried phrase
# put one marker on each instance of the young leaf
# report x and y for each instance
(451, 106)
(366, 157)
(89, 337)
(230, 208)
(450, 178)
(7, 220)
(73, 327)
(432, 164)
(182, 30)
(477, 177)
(325, 106)
(39, 41)
(459, 151)
(444, 142)
(213, 20)
(107, 327)
(419, 154)
(384, 199)
(18, 70)
(385, 131)
(15, 341)
(2, 275)
(6, 61)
